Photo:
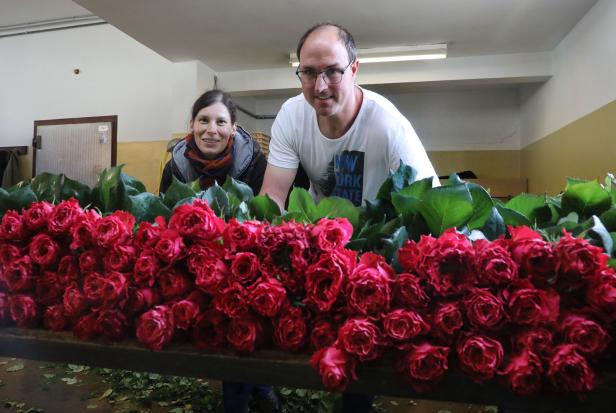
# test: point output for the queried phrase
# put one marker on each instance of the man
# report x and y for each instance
(347, 139)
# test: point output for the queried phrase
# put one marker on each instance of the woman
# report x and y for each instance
(215, 148)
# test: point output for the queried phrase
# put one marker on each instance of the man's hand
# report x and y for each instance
(277, 182)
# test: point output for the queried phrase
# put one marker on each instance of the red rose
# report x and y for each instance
(4, 308)
(200, 255)
(112, 324)
(89, 261)
(530, 306)
(331, 234)
(335, 368)
(325, 278)
(231, 301)
(601, 293)
(82, 231)
(141, 299)
(537, 340)
(245, 268)
(48, 289)
(54, 318)
(185, 313)
(448, 262)
(244, 333)
(588, 336)
(170, 247)
(290, 329)
(267, 297)
(68, 269)
(403, 325)
(569, 371)
(36, 216)
(155, 328)
(63, 216)
(480, 356)
(534, 255)
(495, 264)
(114, 229)
(323, 334)
(447, 320)
(196, 221)
(212, 276)
(145, 270)
(360, 337)
(173, 283)
(484, 309)
(8, 253)
(115, 287)
(424, 365)
(409, 256)
(23, 310)
(147, 234)
(12, 226)
(43, 250)
(243, 236)
(120, 258)
(577, 260)
(368, 289)
(86, 327)
(18, 275)
(75, 303)
(524, 373)
(210, 330)
(408, 291)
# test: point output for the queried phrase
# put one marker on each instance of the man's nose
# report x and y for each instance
(319, 83)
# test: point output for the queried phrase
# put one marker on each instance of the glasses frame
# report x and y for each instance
(322, 73)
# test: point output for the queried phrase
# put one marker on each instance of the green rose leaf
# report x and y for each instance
(405, 205)
(132, 183)
(47, 187)
(75, 189)
(218, 200)
(417, 188)
(609, 218)
(597, 232)
(242, 191)
(241, 212)
(109, 195)
(511, 217)
(446, 207)
(147, 206)
(335, 207)
(176, 192)
(403, 177)
(454, 179)
(301, 201)
(586, 198)
(262, 207)
(195, 185)
(531, 206)
(297, 216)
(494, 226)
(483, 206)
(18, 199)
(392, 244)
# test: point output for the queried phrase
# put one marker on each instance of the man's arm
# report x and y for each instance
(277, 182)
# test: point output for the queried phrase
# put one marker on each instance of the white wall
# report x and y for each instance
(459, 120)
(584, 79)
(118, 76)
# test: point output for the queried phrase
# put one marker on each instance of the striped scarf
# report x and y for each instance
(210, 170)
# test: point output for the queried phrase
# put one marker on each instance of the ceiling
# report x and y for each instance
(242, 35)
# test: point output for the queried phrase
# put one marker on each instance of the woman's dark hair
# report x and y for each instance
(209, 98)
(343, 34)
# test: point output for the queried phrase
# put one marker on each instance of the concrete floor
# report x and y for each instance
(30, 387)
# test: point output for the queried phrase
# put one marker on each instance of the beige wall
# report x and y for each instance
(485, 164)
(585, 148)
(143, 161)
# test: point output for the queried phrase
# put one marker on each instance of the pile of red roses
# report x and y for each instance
(521, 308)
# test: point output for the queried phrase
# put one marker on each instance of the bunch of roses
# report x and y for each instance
(521, 308)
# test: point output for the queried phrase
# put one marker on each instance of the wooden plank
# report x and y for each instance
(277, 368)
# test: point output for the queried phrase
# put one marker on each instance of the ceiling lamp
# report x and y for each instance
(394, 54)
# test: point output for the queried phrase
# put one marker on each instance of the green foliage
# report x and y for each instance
(301, 203)
(336, 207)
(403, 177)
(176, 192)
(238, 189)
(446, 207)
(586, 198)
(262, 207)
(146, 206)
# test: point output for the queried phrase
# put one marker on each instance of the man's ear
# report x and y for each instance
(355, 67)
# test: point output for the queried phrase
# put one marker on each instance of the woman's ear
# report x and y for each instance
(190, 126)
(234, 128)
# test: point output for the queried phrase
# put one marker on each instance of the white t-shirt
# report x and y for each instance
(355, 165)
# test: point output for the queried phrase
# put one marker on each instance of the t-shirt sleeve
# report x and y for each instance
(283, 145)
(408, 148)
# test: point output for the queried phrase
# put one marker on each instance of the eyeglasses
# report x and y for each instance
(331, 76)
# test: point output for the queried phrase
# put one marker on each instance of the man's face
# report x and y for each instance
(323, 50)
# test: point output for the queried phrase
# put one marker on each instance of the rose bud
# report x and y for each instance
(495, 264)
(424, 365)
(244, 333)
(577, 260)
(36, 216)
(290, 329)
(360, 337)
(43, 250)
(331, 234)
(64, 216)
(534, 256)
(368, 288)
(245, 268)
(324, 280)
(403, 325)
(480, 356)
(170, 247)
(484, 309)
(408, 291)
(113, 230)
(267, 297)
(12, 227)
(243, 236)
(196, 221)
(155, 328)
(335, 368)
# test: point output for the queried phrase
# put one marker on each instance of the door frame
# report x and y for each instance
(113, 119)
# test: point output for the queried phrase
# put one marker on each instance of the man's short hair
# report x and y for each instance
(343, 34)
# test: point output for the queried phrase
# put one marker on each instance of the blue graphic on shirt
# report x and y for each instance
(349, 176)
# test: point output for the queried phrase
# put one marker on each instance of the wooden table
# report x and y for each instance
(284, 369)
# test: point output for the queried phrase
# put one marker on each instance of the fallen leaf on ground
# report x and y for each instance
(15, 367)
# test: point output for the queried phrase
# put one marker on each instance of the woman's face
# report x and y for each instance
(212, 128)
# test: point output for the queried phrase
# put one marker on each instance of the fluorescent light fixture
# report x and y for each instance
(394, 54)
(50, 25)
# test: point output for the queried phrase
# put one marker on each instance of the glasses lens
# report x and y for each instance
(333, 75)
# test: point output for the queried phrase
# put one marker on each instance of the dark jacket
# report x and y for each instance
(249, 163)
